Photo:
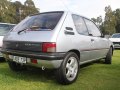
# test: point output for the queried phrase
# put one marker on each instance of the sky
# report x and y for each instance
(88, 8)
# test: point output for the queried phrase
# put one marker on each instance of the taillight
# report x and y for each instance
(48, 47)
(34, 61)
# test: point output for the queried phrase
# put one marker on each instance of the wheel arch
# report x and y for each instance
(112, 48)
(76, 52)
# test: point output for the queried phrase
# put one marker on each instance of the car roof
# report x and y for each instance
(7, 23)
(60, 11)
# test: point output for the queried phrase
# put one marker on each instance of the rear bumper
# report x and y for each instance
(47, 60)
(35, 55)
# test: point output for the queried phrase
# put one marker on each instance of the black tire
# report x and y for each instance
(2, 59)
(62, 71)
(15, 66)
(108, 59)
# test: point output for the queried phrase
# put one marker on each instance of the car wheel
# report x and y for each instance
(15, 66)
(108, 59)
(68, 71)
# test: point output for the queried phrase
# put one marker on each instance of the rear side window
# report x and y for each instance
(92, 28)
(43, 21)
(80, 25)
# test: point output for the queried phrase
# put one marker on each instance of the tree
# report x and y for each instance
(29, 8)
(110, 21)
(94, 20)
(5, 11)
(117, 17)
(29, 3)
(97, 20)
(16, 6)
(14, 12)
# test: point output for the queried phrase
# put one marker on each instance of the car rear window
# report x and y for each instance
(42, 22)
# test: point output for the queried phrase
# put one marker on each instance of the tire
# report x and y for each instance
(108, 59)
(68, 71)
(15, 66)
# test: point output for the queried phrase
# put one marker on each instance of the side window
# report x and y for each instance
(80, 25)
(92, 28)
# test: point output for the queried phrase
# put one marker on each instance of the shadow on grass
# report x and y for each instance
(101, 61)
(33, 74)
(2, 59)
(29, 75)
(117, 49)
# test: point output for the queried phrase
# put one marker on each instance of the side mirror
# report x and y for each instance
(90, 34)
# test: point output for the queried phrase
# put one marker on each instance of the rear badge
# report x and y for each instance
(16, 45)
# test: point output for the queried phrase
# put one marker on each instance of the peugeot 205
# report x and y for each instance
(57, 40)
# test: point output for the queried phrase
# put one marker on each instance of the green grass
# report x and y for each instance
(93, 76)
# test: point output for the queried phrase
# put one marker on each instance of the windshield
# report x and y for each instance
(116, 36)
(5, 28)
(43, 21)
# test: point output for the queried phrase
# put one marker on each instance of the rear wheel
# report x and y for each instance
(68, 71)
(108, 59)
(15, 66)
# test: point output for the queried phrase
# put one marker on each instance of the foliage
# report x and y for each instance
(97, 20)
(92, 76)
(14, 12)
(111, 22)
(117, 17)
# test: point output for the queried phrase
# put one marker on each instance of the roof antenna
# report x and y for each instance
(65, 5)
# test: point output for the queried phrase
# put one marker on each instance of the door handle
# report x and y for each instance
(69, 28)
(69, 33)
(92, 40)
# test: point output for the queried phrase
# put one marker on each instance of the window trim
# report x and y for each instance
(84, 23)
(62, 13)
(95, 25)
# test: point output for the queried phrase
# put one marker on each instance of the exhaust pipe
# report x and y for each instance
(43, 68)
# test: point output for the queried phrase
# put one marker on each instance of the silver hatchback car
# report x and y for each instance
(57, 40)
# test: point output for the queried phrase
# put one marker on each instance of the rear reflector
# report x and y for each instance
(34, 61)
(48, 47)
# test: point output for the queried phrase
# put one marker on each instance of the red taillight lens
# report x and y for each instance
(34, 61)
(48, 47)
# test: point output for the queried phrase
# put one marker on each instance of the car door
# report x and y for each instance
(83, 39)
(99, 44)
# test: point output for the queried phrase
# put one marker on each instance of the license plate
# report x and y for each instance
(19, 59)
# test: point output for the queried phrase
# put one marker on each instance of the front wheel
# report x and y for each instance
(68, 71)
(108, 59)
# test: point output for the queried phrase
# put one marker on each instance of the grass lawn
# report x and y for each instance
(93, 76)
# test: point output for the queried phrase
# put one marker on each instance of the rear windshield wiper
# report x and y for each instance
(33, 28)
(30, 28)
(22, 30)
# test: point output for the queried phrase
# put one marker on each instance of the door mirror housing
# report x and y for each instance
(90, 34)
